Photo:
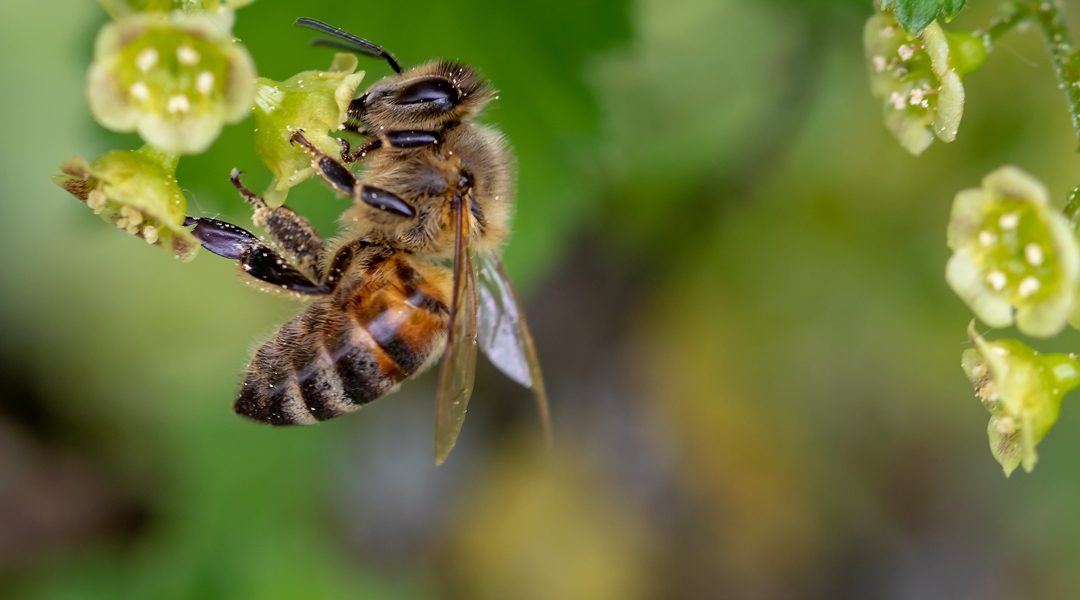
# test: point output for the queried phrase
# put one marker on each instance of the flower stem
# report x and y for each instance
(1013, 15)
(1050, 16)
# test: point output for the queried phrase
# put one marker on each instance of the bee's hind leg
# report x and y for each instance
(292, 233)
(255, 258)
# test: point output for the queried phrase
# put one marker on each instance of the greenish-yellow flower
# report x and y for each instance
(312, 101)
(1014, 255)
(175, 78)
(135, 190)
(917, 79)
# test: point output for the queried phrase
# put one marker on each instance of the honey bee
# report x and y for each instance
(416, 274)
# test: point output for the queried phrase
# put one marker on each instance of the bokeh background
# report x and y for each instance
(734, 273)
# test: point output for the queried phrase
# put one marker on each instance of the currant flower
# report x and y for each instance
(175, 78)
(1013, 253)
(918, 78)
(312, 101)
(136, 190)
(123, 8)
(1022, 389)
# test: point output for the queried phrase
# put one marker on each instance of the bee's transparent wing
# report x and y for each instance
(458, 368)
(504, 335)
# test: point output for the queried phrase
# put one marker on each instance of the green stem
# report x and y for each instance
(1050, 15)
(1013, 15)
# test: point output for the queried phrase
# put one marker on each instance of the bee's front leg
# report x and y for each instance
(350, 156)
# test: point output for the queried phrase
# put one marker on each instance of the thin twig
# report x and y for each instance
(1013, 15)
(1050, 15)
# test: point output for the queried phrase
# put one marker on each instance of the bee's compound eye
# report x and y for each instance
(435, 90)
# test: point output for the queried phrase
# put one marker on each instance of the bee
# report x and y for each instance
(416, 274)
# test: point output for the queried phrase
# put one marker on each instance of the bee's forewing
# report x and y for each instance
(458, 368)
(504, 335)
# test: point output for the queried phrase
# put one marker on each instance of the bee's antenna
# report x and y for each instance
(349, 42)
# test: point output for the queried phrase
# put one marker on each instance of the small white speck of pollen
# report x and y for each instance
(996, 279)
(1028, 286)
(1034, 254)
(898, 100)
(178, 104)
(96, 200)
(1005, 426)
(986, 238)
(906, 52)
(139, 91)
(204, 82)
(1009, 221)
(146, 59)
(133, 216)
(187, 55)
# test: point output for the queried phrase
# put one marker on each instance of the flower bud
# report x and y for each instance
(312, 101)
(1022, 390)
(136, 190)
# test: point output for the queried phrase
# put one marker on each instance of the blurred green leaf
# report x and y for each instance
(951, 8)
(915, 15)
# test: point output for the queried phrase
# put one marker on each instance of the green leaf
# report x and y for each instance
(951, 8)
(915, 15)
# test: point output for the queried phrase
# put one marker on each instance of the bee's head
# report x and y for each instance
(423, 98)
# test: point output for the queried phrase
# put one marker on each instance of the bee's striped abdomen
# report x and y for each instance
(336, 356)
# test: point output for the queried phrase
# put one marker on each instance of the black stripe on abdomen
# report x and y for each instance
(362, 376)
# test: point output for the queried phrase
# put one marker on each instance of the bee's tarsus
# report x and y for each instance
(349, 156)
(245, 193)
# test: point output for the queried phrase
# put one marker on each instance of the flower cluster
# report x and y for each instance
(312, 101)
(917, 77)
(136, 190)
(1022, 390)
(1014, 256)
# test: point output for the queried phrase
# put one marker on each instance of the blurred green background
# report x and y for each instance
(734, 274)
